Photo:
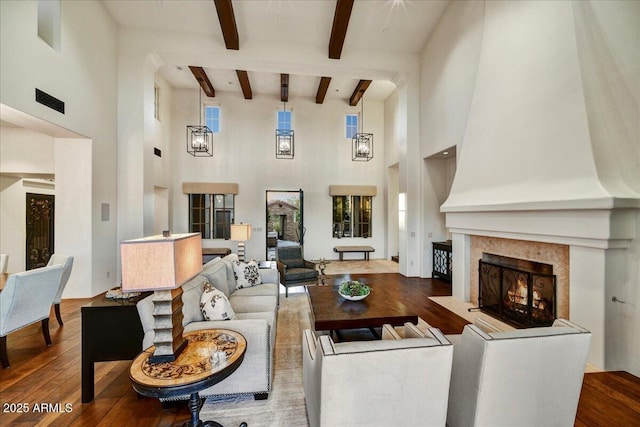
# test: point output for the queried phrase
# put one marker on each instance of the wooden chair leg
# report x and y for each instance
(3, 352)
(56, 307)
(45, 331)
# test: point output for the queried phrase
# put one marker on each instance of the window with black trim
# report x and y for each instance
(352, 216)
(211, 215)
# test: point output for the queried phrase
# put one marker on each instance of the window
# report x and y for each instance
(49, 23)
(284, 120)
(211, 215)
(212, 117)
(352, 216)
(156, 102)
(351, 128)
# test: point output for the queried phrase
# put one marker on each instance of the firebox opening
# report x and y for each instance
(519, 292)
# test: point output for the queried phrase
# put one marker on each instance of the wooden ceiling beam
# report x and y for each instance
(284, 87)
(322, 89)
(339, 28)
(228, 24)
(359, 92)
(243, 78)
(201, 77)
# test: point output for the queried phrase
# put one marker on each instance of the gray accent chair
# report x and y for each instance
(67, 263)
(396, 381)
(525, 377)
(26, 299)
(293, 268)
(4, 261)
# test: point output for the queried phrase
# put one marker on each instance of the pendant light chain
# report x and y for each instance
(200, 106)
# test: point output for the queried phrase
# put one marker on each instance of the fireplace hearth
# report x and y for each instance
(519, 292)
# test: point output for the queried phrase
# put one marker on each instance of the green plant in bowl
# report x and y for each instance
(354, 290)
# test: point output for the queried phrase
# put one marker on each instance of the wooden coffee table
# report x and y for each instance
(331, 312)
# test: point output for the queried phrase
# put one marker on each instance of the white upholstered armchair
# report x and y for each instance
(388, 382)
(4, 261)
(526, 377)
(67, 263)
(26, 299)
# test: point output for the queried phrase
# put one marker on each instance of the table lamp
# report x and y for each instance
(241, 233)
(162, 264)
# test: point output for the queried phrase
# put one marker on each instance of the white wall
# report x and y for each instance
(449, 64)
(74, 213)
(25, 152)
(402, 139)
(244, 152)
(83, 75)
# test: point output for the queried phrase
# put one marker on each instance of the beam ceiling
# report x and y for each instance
(359, 92)
(284, 87)
(243, 78)
(322, 89)
(203, 80)
(228, 24)
(339, 29)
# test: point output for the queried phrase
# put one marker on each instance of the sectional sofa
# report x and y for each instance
(256, 309)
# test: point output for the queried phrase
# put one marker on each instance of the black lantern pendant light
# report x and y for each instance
(284, 141)
(199, 138)
(362, 143)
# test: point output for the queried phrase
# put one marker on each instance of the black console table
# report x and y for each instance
(442, 260)
(111, 330)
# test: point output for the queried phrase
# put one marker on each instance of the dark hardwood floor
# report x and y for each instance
(44, 382)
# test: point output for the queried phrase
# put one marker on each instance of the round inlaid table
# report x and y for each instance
(210, 356)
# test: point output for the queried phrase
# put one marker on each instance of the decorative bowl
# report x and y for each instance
(353, 290)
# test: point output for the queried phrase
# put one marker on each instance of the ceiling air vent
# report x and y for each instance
(50, 101)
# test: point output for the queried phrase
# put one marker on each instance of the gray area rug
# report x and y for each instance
(285, 406)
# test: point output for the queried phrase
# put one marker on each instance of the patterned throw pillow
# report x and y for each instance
(246, 274)
(215, 305)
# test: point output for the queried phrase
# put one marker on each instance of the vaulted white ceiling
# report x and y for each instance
(286, 36)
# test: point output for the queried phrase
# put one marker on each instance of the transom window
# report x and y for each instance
(351, 125)
(212, 117)
(211, 215)
(352, 216)
(284, 119)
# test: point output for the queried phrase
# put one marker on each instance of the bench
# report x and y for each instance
(210, 253)
(366, 250)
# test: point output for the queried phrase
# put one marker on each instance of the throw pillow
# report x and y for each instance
(246, 274)
(215, 305)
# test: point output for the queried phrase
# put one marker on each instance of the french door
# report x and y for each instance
(39, 229)
(284, 220)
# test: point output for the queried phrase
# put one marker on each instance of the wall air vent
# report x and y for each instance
(50, 101)
(157, 151)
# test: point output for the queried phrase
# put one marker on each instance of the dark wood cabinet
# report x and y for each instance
(442, 257)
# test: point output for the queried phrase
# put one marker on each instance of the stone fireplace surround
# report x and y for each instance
(583, 245)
